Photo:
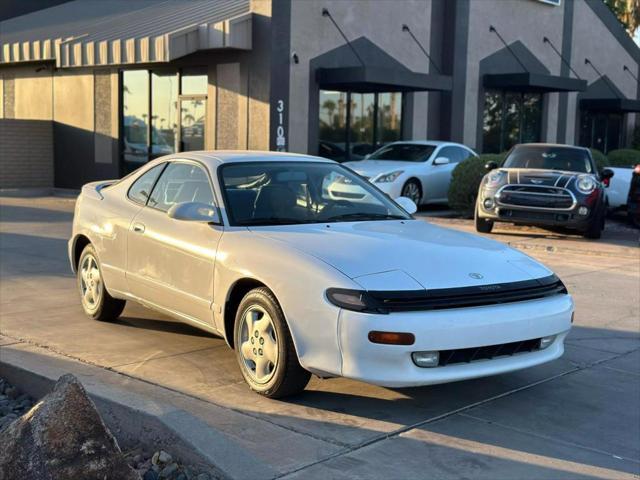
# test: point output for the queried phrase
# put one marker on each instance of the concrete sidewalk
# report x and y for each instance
(577, 417)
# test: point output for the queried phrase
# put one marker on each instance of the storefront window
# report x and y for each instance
(164, 125)
(135, 107)
(389, 117)
(601, 130)
(352, 125)
(158, 118)
(511, 118)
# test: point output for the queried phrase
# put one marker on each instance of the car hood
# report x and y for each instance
(373, 168)
(413, 254)
(547, 178)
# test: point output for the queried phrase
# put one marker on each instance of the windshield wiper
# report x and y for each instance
(365, 216)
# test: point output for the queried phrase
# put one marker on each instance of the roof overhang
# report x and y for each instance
(124, 39)
(379, 79)
(534, 82)
(620, 105)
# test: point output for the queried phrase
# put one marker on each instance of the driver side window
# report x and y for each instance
(179, 183)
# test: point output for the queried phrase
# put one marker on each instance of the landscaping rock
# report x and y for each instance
(61, 437)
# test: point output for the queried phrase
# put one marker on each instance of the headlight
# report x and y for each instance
(585, 184)
(495, 178)
(357, 300)
(389, 177)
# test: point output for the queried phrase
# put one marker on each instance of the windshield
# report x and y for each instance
(405, 152)
(550, 158)
(288, 193)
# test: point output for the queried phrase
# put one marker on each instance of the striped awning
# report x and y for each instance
(85, 33)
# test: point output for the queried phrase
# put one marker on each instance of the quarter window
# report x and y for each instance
(179, 183)
(141, 188)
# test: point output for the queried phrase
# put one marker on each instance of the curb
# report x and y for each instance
(138, 412)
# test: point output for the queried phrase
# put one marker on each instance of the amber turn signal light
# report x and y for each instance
(392, 338)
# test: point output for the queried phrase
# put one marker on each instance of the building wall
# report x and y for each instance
(593, 40)
(527, 21)
(381, 22)
(26, 153)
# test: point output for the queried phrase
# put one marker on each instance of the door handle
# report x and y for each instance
(138, 227)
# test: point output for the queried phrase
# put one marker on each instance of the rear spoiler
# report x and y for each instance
(94, 189)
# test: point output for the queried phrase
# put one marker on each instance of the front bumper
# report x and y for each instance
(392, 365)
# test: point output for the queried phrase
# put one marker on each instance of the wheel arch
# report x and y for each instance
(80, 241)
(236, 293)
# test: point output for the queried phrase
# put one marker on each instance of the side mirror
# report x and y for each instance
(491, 165)
(441, 161)
(194, 212)
(407, 205)
(607, 174)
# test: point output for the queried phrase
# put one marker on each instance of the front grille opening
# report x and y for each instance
(476, 296)
(468, 355)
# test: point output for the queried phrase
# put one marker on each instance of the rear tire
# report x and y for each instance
(96, 301)
(264, 348)
(483, 225)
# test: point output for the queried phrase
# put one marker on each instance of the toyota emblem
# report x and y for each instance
(477, 276)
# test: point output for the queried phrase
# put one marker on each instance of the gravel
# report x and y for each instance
(159, 465)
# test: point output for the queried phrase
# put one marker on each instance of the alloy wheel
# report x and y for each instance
(90, 282)
(412, 191)
(258, 344)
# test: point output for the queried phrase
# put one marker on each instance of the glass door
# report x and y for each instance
(193, 113)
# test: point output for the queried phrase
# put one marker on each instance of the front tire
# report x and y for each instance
(264, 348)
(412, 190)
(96, 301)
(483, 225)
(596, 226)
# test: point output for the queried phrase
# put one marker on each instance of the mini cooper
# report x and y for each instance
(251, 246)
(544, 185)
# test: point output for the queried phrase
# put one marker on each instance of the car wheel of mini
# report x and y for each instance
(264, 348)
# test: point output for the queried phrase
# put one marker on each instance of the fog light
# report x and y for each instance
(426, 359)
(489, 203)
(546, 341)
(583, 211)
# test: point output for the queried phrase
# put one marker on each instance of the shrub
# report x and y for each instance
(465, 181)
(600, 158)
(625, 157)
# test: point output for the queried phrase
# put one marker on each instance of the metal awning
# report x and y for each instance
(380, 79)
(617, 105)
(85, 33)
(534, 82)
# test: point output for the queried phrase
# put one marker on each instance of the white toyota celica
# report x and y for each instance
(251, 246)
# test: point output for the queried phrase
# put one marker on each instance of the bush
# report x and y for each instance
(600, 158)
(625, 157)
(465, 181)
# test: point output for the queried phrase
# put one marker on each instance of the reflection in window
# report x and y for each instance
(135, 105)
(192, 120)
(601, 130)
(164, 88)
(389, 117)
(361, 122)
(510, 118)
(193, 83)
(352, 125)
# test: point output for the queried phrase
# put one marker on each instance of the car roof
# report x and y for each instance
(545, 145)
(218, 157)
(434, 143)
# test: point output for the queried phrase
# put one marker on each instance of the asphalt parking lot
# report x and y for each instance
(577, 417)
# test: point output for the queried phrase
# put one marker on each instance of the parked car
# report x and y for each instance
(250, 247)
(618, 188)
(633, 200)
(544, 185)
(419, 170)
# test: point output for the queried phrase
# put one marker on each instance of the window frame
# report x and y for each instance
(161, 164)
(188, 162)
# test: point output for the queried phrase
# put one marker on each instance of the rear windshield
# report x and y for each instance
(550, 158)
(406, 152)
